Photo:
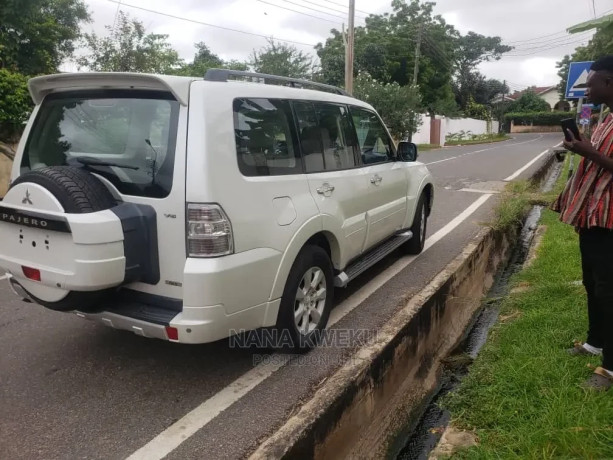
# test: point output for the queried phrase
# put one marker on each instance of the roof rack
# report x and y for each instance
(225, 74)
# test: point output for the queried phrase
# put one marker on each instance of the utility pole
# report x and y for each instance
(417, 53)
(349, 49)
(501, 109)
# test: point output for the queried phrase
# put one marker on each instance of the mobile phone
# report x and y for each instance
(571, 125)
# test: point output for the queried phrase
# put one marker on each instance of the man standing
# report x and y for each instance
(587, 204)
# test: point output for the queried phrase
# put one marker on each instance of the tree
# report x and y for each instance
(471, 50)
(15, 104)
(529, 102)
(204, 60)
(284, 60)
(600, 45)
(398, 105)
(37, 35)
(128, 48)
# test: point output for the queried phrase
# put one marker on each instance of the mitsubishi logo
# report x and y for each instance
(27, 199)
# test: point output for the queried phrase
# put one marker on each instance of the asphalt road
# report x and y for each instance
(70, 389)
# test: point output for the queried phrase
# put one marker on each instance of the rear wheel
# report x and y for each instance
(307, 299)
(420, 223)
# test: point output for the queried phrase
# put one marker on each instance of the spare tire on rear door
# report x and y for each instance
(77, 192)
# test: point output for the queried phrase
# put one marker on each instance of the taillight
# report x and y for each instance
(31, 273)
(209, 233)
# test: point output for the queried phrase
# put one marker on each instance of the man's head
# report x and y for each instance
(600, 81)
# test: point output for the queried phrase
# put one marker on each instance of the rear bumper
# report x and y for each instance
(194, 325)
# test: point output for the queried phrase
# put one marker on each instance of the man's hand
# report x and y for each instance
(581, 147)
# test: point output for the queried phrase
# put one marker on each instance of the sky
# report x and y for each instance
(536, 28)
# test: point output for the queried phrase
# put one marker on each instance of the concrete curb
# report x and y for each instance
(366, 409)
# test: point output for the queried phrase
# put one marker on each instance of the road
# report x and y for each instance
(71, 389)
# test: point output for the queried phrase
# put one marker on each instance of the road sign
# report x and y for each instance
(586, 112)
(577, 78)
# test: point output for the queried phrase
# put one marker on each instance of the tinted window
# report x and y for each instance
(311, 143)
(135, 129)
(375, 144)
(264, 141)
(337, 137)
(326, 137)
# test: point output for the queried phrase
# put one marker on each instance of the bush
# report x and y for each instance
(537, 118)
(15, 104)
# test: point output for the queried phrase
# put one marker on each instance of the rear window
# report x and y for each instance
(126, 136)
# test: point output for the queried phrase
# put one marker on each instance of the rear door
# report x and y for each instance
(386, 178)
(138, 139)
(336, 181)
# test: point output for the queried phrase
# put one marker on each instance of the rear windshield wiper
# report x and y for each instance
(90, 161)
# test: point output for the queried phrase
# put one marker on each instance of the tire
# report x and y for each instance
(305, 330)
(420, 225)
(79, 192)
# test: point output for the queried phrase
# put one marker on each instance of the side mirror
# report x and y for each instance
(407, 151)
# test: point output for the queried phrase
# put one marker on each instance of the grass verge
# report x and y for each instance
(489, 140)
(522, 396)
(426, 147)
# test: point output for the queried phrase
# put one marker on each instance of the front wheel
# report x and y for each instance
(416, 244)
(307, 299)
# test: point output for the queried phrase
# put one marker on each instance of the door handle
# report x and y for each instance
(325, 189)
(376, 179)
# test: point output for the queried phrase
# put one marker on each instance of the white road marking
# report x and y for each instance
(168, 440)
(521, 170)
(4, 277)
(484, 150)
(476, 190)
(171, 438)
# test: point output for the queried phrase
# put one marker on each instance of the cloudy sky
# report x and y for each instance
(535, 27)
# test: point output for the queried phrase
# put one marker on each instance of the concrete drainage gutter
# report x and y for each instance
(365, 409)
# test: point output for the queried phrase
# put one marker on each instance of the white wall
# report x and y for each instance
(422, 136)
(453, 126)
(456, 125)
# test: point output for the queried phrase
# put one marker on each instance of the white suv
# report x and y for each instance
(189, 209)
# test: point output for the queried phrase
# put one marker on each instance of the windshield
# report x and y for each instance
(126, 136)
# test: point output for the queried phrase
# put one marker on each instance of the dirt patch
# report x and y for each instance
(5, 174)
(520, 288)
(452, 441)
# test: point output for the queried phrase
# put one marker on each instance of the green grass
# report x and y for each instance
(485, 140)
(522, 396)
(513, 204)
(426, 147)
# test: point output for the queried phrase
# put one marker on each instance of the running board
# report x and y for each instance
(371, 258)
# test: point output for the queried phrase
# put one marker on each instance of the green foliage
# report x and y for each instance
(528, 102)
(128, 48)
(37, 35)
(537, 118)
(475, 110)
(600, 45)
(281, 59)
(204, 60)
(15, 104)
(385, 48)
(397, 105)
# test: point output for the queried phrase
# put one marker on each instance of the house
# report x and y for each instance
(549, 94)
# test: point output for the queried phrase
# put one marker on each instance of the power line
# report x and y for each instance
(209, 25)
(340, 4)
(541, 49)
(345, 12)
(552, 41)
(304, 14)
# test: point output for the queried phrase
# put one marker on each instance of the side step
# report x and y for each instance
(371, 258)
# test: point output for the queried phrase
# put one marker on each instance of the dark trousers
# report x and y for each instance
(597, 262)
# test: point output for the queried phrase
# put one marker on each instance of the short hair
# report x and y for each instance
(603, 64)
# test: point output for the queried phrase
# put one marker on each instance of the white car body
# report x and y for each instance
(272, 217)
